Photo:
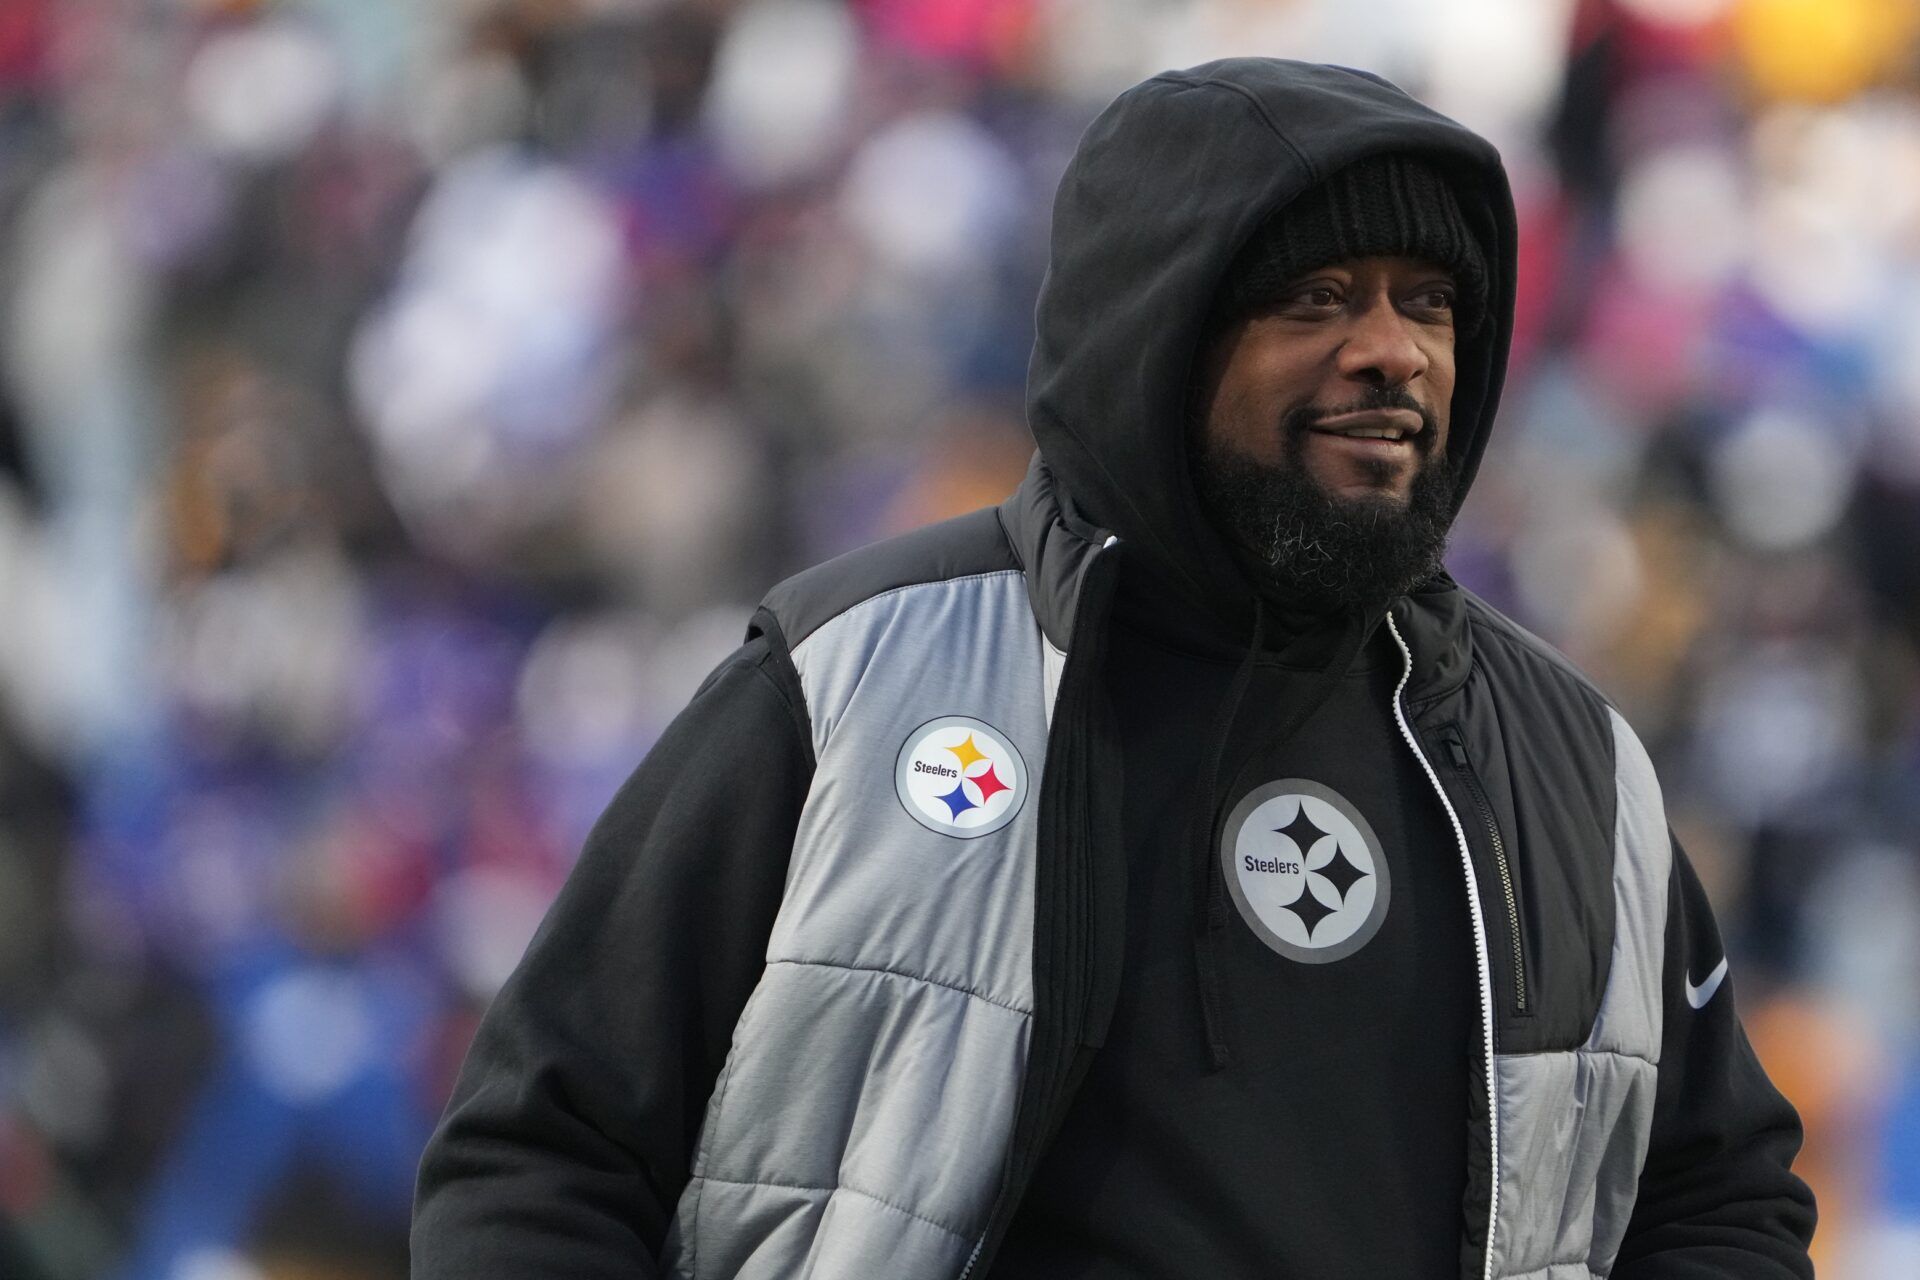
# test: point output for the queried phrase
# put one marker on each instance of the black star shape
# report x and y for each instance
(1341, 873)
(1301, 830)
(1310, 909)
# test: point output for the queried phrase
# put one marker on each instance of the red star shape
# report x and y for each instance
(989, 784)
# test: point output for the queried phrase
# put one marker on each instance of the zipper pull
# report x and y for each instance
(1456, 751)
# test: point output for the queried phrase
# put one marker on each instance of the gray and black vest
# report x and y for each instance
(932, 981)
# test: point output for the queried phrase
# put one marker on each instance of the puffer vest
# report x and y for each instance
(931, 994)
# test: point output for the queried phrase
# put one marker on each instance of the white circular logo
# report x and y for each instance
(960, 777)
(1305, 870)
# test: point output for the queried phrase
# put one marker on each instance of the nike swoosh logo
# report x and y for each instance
(1698, 996)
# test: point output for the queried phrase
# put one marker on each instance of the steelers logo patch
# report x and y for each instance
(1305, 870)
(960, 777)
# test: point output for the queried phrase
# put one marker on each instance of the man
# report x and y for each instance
(1170, 872)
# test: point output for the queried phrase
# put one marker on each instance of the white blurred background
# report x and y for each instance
(402, 405)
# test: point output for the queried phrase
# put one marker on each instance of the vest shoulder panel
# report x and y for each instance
(864, 1114)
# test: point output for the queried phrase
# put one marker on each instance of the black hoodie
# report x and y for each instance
(572, 1129)
(1250, 1113)
(1166, 187)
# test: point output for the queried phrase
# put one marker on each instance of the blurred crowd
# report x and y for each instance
(402, 406)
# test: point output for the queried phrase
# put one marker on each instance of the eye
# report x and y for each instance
(1437, 298)
(1319, 295)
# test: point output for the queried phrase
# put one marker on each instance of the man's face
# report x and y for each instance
(1321, 430)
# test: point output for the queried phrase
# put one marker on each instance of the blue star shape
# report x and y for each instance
(957, 801)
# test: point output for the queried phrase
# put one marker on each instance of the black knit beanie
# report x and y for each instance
(1388, 205)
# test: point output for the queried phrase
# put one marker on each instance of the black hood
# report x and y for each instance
(1166, 186)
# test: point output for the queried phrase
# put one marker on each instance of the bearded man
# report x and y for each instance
(1170, 872)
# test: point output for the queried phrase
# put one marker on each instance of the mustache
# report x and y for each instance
(1302, 418)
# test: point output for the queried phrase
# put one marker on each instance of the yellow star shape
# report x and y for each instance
(968, 753)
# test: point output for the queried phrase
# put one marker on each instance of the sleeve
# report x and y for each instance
(571, 1129)
(1718, 1197)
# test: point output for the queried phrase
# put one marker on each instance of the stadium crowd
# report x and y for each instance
(403, 405)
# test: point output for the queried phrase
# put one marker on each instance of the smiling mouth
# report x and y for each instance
(1394, 434)
(1393, 425)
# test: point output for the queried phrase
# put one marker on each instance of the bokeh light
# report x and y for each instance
(402, 408)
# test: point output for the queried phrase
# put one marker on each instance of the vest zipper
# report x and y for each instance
(1480, 954)
(1457, 750)
(1013, 1184)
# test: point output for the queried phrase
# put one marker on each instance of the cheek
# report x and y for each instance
(1440, 380)
(1228, 418)
(1256, 391)
(1245, 418)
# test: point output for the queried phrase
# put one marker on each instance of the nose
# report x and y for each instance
(1381, 348)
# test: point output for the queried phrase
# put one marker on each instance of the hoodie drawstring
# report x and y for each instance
(1211, 919)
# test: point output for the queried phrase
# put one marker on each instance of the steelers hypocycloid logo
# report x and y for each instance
(960, 777)
(1305, 870)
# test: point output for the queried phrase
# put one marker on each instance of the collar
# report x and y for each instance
(1433, 619)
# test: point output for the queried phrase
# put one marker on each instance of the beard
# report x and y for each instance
(1317, 551)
